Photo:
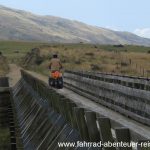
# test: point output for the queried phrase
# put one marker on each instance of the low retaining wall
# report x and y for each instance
(127, 95)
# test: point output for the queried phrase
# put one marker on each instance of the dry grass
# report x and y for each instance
(97, 59)
(105, 58)
(3, 66)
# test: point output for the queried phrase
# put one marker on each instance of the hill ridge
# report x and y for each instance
(22, 25)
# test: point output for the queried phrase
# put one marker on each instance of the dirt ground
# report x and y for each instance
(15, 75)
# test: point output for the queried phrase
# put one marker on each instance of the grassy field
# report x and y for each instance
(4, 68)
(130, 60)
(14, 50)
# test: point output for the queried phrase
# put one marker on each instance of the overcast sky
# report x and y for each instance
(122, 15)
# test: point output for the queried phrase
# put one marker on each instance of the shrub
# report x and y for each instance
(89, 54)
(95, 46)
(120, 45)
(63, 60)
(35, 50)
(148, 52)
(16, 51)
(95, 67)
(78, 62)
(124, 63)
(39, 60)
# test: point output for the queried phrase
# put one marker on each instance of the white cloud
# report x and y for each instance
(143, 32)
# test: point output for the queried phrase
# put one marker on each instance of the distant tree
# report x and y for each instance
(120, 45)
(95, 46)
(89, 54)
(148, 52)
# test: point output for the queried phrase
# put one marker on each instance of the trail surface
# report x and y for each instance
(14, 74)
(87, 103)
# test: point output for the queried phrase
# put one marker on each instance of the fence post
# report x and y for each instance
(105, 131)
(64, 109)
(123, 136)
(71, 106)
(92, 126)
(81, 123)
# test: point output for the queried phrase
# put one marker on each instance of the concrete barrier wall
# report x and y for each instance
(114, 92)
